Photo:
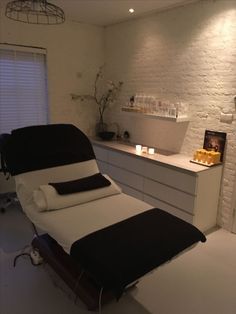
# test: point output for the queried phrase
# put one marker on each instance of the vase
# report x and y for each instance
(100, 127)
(106, 135)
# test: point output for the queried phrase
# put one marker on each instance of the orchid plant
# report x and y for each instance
(104, 96)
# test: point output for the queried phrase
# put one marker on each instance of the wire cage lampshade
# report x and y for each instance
(34, 12)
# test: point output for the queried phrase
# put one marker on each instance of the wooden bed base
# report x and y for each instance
(79, 281)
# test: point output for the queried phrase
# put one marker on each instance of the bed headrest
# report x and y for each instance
(44, 146)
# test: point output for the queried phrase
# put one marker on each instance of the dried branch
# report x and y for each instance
(107, 98)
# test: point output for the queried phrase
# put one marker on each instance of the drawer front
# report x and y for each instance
(161, 174)
(100, 153)
(169, 195)
(171, 177)
(128, 190)
(103, 167)
(168, 208)
(124, 161)
(123, 176)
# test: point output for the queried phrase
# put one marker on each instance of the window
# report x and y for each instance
(23, 87)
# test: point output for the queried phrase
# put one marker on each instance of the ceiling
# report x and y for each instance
(107, 12)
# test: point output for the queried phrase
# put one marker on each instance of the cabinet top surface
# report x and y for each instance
(166, 159)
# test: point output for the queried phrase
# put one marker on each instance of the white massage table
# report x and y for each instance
(69, 224)
(113, 237)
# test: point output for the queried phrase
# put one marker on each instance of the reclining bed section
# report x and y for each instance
(96, 238)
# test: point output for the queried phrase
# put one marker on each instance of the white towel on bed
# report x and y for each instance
(73, 223)
(47, 198)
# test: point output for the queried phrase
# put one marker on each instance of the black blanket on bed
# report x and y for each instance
(121, 253)
(44, 146)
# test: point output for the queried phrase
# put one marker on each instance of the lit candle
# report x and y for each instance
(138, 149)
(151, 151)
(144, 149)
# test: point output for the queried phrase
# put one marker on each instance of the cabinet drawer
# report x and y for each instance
(100, 153)
(161, 174)
(133, 164)
(103, 167)
(128, 190)
(123, 176)
(169, 195)
(168, 208)
(171, 177)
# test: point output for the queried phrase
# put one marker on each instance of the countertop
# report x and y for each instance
(160, 157)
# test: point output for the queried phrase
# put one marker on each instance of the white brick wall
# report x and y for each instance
(186, 54)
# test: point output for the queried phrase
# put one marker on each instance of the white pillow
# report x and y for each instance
(27, 182)
(33, 179)
(47, 198)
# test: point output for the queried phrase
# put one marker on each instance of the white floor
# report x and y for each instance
(202, 281)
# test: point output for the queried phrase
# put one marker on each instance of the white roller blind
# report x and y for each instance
(23, 89)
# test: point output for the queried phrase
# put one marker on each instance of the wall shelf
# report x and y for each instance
(135, 112)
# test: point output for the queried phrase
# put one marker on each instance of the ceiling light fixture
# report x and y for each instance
(131, 10)
(34, 12)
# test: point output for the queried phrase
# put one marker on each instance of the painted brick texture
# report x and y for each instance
(185, 54)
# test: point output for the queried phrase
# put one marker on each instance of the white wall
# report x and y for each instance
(72, 48)
(187, 54)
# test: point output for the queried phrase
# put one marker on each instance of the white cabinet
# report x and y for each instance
(173, 184)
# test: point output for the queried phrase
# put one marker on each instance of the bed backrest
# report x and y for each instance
(45, 146)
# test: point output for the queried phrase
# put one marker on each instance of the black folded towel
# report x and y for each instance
(95, 181)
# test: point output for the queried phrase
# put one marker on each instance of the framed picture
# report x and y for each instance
(215, 141)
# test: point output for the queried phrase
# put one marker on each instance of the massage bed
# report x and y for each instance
(98, 239)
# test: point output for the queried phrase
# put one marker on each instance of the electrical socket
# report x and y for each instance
(226, 117)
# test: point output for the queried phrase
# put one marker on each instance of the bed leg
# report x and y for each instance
(77, 283)
(100, 301)
(35, 230)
